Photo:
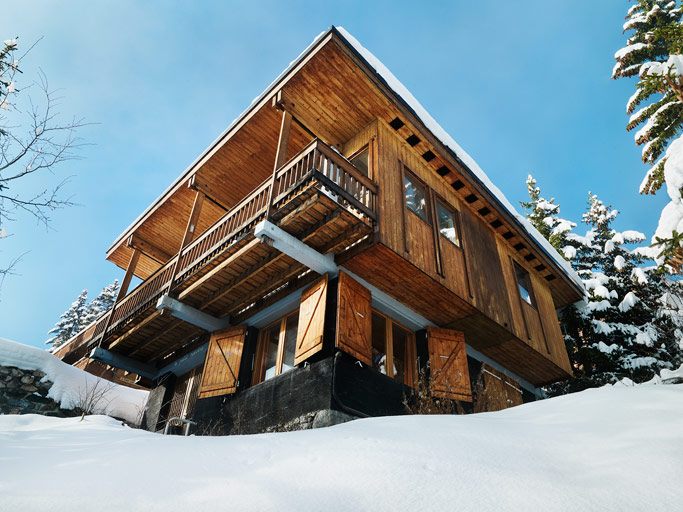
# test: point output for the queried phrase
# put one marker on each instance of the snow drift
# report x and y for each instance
(613, 448)
(70, 384)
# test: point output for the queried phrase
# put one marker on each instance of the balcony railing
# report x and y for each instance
(336, 176)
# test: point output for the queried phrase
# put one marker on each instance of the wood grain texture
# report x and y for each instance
(449, 374)
(354, 319)
(222, 363)
(309, 336)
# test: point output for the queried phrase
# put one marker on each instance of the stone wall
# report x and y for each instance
(24, 392)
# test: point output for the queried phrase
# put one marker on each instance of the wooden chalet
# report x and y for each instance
(330, 249)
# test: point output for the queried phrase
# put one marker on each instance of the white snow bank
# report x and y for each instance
(441, 134)
(614, 448)
(71, 384)
(671, 218)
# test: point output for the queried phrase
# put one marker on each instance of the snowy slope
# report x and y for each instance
(615, 448)
(71, 383)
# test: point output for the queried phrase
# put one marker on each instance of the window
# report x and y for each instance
(277, 344)
(361, 161)
(524, 285)
(393, 349)
(415, 194)
(448, 223)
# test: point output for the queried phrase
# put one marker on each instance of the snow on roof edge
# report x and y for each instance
(432, 125)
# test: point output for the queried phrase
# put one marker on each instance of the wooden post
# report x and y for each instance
(189, 234)
(280, 155)
(123, 290)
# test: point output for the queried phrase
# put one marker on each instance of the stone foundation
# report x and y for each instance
(25, 392)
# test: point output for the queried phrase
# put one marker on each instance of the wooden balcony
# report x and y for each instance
(318, 196)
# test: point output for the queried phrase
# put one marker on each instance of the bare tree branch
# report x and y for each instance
(34, 139)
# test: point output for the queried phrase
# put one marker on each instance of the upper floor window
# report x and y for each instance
(361, 161)
(448, 222)
(524, 285)
(393, 349)
(416, 197)
(277, 344)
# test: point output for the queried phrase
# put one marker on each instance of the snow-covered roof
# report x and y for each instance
(477, 172)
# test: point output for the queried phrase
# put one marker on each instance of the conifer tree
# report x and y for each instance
(631, 324)
(543, 214)
(623, 329)
(70, 322)
(100, 304)
(654, 52)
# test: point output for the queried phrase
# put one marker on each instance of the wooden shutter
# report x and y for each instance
(309, 336)
(222, 365)
(449, 375)
(354, 319)
(496, 391)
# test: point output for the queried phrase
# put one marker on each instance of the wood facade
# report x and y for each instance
(334, 157)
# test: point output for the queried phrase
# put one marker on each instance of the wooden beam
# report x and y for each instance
(123, 290)
(191, 228)
(195, 183)
(228, 261)
(188, 236)
(134, 329)
(280, 155)
(148, 249)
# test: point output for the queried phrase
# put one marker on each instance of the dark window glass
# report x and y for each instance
(415, 196)
(272, 339)
(290, 342)
(361, 161)
(524, 285)
(400, 341)
(448, 223)
(379, 343)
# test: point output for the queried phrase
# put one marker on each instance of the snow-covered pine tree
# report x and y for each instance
(629, 326)
(543, 214)
(103, 302)
(70, 322)
(654, 52)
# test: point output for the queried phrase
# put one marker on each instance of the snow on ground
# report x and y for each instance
(71, 384)
(615, 448)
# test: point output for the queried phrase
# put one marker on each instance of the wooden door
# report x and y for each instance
(354, 319)
(309, 336)
(449, 375)
(222, 364)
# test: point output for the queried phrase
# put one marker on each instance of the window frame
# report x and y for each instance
(407, 173)
(438, 200)
(409, 377)
(262, 345)
(364, 148)
(528, 286)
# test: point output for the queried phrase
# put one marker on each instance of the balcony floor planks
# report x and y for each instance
(254, 271)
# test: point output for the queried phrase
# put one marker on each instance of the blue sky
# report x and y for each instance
(523, 86)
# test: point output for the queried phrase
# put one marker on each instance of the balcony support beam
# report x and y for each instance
(123, 362)
(299, 251)
(123, 290)
(280, 156)
(148, 249)
(191, 315)
(190, 230)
